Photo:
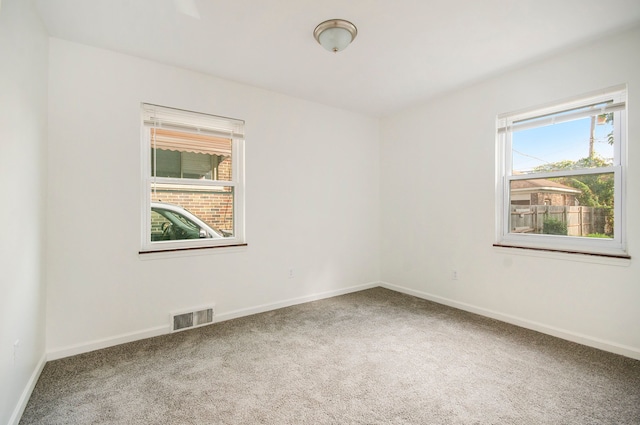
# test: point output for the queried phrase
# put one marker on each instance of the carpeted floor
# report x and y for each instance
(372, 357)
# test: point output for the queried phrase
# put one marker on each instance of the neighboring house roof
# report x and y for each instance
(541, 185)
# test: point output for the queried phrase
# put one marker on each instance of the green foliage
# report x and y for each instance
(598, 235)
(608, 119)
(551, 226)
(556, 166)
(596, 189)
(593, 162)
(586, 197)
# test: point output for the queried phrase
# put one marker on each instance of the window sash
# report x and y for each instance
(564, 173)
(190, 182)
(586, 244)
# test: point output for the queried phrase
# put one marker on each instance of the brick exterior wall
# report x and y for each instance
(214, 208)
(224, 169)
(539, 198)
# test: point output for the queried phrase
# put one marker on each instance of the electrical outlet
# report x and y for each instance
(290, 272)
(454, 275)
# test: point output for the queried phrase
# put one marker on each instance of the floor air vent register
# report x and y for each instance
(191, 319)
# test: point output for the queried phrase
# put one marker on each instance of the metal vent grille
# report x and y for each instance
(192, 319)
(182, 321)
(203, 317)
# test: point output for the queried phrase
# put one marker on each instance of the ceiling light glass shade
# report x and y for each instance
(335, 34)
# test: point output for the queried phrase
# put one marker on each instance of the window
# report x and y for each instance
(193, 180)
(561, 176)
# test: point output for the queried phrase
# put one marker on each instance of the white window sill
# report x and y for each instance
(623, 260)
(190, 252)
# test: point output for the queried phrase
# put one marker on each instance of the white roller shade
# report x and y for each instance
(186, 121)
(597, 105)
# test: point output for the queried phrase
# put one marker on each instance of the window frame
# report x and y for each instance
(198, 123)
(615, 247)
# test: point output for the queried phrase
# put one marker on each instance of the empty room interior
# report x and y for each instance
(320, 212)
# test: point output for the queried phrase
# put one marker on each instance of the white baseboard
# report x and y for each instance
(58, 353)
(26, 393)
(632, 352)
(292, 301)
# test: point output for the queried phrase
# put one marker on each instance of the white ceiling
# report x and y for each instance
(406, 50)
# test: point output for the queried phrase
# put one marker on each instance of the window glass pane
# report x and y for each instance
(179, 212)
(579, 205)
(166, 164)
(179, 154)
(158, 224)
(577, 144)
(197, 166)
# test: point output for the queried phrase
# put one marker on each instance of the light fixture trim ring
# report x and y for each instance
(335, 23)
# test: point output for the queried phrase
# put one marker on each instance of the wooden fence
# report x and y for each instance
(580, 221)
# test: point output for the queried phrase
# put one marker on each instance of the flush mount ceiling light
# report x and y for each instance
(335, 34)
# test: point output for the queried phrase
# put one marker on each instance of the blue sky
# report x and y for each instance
(558, 142)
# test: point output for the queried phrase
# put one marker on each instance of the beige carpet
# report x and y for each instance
(372, 357)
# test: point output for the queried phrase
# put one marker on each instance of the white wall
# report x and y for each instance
(441, 171)
(312, 200)
(23, 111)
